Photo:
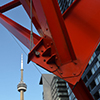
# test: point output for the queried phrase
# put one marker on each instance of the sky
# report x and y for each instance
(10, 61)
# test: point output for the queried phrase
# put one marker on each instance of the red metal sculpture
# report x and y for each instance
(67, 41)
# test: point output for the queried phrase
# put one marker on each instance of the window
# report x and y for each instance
(99, 91)
(95, 68)
(97, 64)
(89, 74)
(92, 70)
(98, 77)
(96, 81)
(64, 1)
(65, 4)
(91, 60)
(85, 79)
(98, 57)
(88, 88)
(94, 55)
(96, 95)
(92, 84)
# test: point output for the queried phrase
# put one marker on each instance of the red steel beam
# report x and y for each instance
(64, 47)
(81, 91)
(42, 24)
(63, 50)
(9, 6)
(82, 25)
(21, 33)
(58, 31)
(84, 32)
(26, 5)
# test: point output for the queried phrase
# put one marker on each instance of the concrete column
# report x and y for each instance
(21, 95)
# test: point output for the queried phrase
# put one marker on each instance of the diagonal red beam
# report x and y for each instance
(26, 5)
(83, 25)
(21, 33)
(81, 91)
(82, 22)
(9, 6)
(58, 31)
(45, 22)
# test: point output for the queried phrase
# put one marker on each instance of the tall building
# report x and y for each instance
(64, 4)
(54, 88)
(21, 86)
(91, 75)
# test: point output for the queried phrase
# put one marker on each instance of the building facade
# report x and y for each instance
(91, 75)
(54, 88)
(64, 4)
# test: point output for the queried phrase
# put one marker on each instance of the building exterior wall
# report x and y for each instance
(64, 4)
(59, 89)
(54, 88)
(46, 81)
(91, 75)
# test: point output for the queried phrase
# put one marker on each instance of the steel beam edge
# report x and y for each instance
(9, 6)
(21, 33)
(81, 91)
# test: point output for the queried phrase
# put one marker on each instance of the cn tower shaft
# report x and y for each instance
(21, 95)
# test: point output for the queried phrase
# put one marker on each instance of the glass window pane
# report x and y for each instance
(96, 81)
(98, 57)
(92, 70)
(90, 62)
(97, 64)
(92, 58)
(99, 78)
(94, 54)
(95, 67)
(99, 91)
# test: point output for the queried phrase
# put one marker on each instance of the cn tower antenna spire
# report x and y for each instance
(21, 67)
(21, 86)
(21, 61)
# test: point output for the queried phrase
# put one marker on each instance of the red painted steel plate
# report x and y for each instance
(82, 21)
(21, 33)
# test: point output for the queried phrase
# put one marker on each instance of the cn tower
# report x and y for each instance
(21, 86)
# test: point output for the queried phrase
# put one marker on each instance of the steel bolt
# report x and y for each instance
(46, 29)
(37, 53)
(51, 66)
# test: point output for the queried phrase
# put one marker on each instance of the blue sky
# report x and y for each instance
(10, 61)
